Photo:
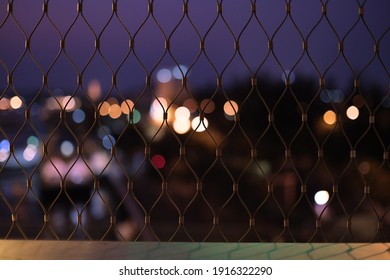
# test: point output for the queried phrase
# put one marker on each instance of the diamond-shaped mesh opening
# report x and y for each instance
(184, 120)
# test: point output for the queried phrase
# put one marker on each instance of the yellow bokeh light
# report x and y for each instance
(230, 108)
(330, 117)
(127, 106)
(182, 114)
(104, 108)
(353, 112)
(115, 111)
(15, 102)
(181, 126)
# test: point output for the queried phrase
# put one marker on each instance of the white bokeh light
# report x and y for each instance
(321, 197)
(30, 152)
(157, 109)
(353, 112)
(181, 126)
(198, 125)
(182, 114)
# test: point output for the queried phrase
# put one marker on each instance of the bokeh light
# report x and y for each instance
(158, 161)
(198, 125)
(230, 108)
(104, 108)
(157, 109)
(33, 140)
(164, 75)
(181, 126)
(179, 72)
(4, 103)
(190, 104)
(330, 117)
(127, 106)
(94, 90)
(115, 111)
(30, 152)
(16, 102)
(78, 116)
(321, 197)
(67, 148)
(68, 103)
(335, 96)
(352, 112)
(207, 105)
(136, 117)
(108, 142)
(365, 167)
(5, 147)
(182, 114)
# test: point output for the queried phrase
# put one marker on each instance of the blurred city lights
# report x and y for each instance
(94, 90)
(335, 96)
(190, 104)
(364, 167)
(179, 72)
(158, 161)
(115, 111)
(16, 102)
(321, 197)
(182, 114)
(230, 108)
(67, 148)
(104, 108)
(4, 103)
(330, 117)
(352, 112)
(68, 103)
(4, 150)
(199, 125)
(164, 75)
(127, 106)
(157, 109)
(78, 116)
(207, 105)
(136, 117)
(103, 131)
(108, 141)
(30, 152)
(181, 126)
(33, 140)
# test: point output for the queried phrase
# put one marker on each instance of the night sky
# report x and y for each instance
(149, 31)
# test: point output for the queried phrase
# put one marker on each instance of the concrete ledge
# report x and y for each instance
(94, 250)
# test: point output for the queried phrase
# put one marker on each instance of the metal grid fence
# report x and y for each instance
(184, 120)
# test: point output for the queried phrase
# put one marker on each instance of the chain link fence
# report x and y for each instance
(184, 120)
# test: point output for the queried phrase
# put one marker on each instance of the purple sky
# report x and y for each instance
(149, 41)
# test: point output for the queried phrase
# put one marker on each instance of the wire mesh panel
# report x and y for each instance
(184, 120)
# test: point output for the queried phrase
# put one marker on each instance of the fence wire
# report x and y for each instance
(184, 120)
